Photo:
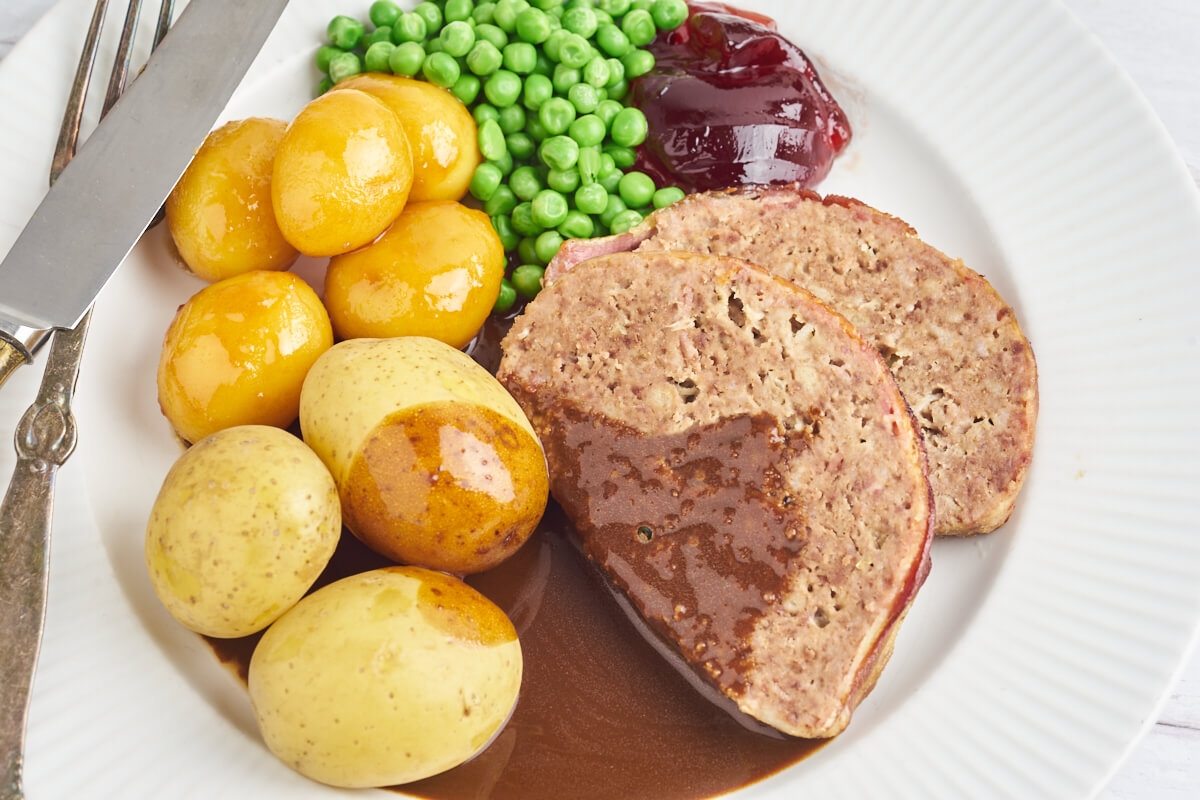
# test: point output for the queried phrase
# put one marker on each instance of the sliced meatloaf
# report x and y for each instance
(740, 464)
(953, 344)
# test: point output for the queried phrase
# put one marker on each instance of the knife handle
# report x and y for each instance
(11, 357)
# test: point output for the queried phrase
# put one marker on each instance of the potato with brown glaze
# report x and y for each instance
(436, 464)
(220, 213)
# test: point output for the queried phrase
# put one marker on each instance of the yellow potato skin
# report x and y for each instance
(440, 130)
(436, 272)
(220, 213)
(436, 464)
(237, 352)
(342, 174)
(244, 523)
(385, 677)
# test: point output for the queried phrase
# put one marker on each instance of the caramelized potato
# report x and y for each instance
(385, 677)
(436, 273)
(436, 464)
(440, 129)
(342, 174)
(242, 527)
(237, 353)
(220, 214)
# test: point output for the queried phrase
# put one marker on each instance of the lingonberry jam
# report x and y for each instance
(732, 102)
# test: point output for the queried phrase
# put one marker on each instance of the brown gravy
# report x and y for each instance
(602, 716)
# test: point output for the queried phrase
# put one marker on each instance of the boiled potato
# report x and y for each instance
(436, 272)
(440, 129)
(385, 677)
(220, 213)
(342, 174)
(241, 528)
(435, 462)
(237, 353)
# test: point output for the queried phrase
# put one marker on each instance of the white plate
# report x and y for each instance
(1034, 657)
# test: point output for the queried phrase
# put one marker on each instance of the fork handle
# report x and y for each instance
(45, 438)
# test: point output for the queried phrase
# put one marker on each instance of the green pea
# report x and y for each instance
(520, 57)
(616, 71)
(482, 14)
(533, 25)
(629, 129)
(564, 78)
(552, 47)
(491, 140)
(591, 199)
(524, 182)
(502, 88)
(457, 38)
(441, 69)
(625, 220)
(511, 118)
(666, 196)
(485, 181)
(547, 5)
(484, 58)
(580, 20)
(482, 112)
(344, 65)
(618, 91)
(577, 225)
(614, 7)
(527, 250)
(324, 54)
(575, 51)
(547, 243)
(434, 45)
(466, 89)
(344, 32)
(612, 40)
(603, 17)
(596, 72)
(636, 189)
(411, 27)
(536, 90)
(407, 59)
(490, 33)
(638, 27)
(637, 63)
(607, 111)
(383, 12)
(643, 5)
(559, 152)
(324, 86)
(556, 115)
(610, 179)
(520, 145)
(536, 130)
(669, 14)
(504, 229)
(383, 34)
(589, 165)
(544, 65)
(459, 10)
(431, 14)
(615, 205)
(563, 180)
(377, 56)
(502, 202)
(506, 299)
(587, 130)
(505, 15)
(522, 220)
(585, 98)
(504, 163)
(527, 280)
(623, 157)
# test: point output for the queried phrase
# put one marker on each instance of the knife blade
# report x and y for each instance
(106, 197)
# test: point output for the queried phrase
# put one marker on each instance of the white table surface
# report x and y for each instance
(1158, 43)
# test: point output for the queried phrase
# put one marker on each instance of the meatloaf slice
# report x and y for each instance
(953, 344)
(740, 464)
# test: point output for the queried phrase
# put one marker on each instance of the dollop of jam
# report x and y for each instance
(731, 102)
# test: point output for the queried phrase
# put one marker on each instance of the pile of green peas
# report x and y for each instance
(546, 81)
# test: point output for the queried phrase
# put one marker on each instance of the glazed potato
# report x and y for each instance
(243, 524)
(220, 213)
(237, 353)
(436, 272)
(435, 462)
(342, 174)
(440, 129)
(385, 677)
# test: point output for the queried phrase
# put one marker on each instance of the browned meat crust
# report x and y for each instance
(953, 344)
(740, 463)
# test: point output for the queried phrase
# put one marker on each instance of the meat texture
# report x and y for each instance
(954, 345)
(740, 463)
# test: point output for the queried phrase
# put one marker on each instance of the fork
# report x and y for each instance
(45, 438)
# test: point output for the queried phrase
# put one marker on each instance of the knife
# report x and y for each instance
(106, 197)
